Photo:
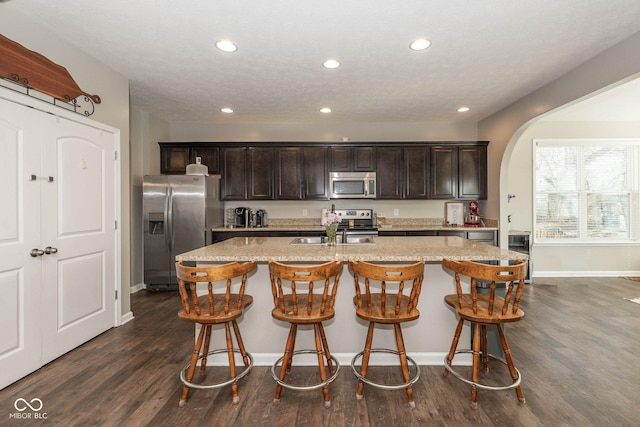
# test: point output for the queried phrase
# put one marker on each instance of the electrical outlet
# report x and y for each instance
(304, 212)
(395, 212)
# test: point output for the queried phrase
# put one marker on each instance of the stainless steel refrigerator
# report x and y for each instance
(179, 212)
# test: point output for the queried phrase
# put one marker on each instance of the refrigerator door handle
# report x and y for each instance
(169, 210)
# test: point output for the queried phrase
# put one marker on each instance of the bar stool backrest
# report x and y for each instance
(512, 275)
(220, 275)
(298, 283)
(408, 277)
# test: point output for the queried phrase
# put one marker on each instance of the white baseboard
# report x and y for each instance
(137, 288)
(126, 318)
(538, 273)
(422, 359)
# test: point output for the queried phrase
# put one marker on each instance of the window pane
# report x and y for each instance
(608, 216)
(556, 169)
(605, 169)
(557, 215)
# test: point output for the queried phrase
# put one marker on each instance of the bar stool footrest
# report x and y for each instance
(479, 385)
(365, 380)
(305, 387)
(244, 372)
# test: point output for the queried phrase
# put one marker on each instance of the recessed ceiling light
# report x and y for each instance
(226, 46)
(227, 110)
(331, 64)
(420, 44)
(463, 109)
(325, 110)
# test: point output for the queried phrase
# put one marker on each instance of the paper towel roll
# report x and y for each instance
(323, 217)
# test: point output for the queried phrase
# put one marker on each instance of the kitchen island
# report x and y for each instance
(427, 339)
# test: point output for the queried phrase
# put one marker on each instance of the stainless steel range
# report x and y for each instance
(356, 222)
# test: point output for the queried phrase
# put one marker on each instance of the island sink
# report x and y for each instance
(322, 240)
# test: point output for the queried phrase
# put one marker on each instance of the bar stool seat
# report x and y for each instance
(393, 304)
(213, 309)
(482, 310)
(296, 303)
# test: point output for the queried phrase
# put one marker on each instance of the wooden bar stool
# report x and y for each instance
(393, 304)
(482, 310)
(296, 302)
(213, 309)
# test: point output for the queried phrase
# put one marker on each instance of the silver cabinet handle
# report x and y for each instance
(36, 252)
(49, 250)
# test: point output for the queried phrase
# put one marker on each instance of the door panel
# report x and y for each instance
(81, 161)
(20, 280)
(157, 260)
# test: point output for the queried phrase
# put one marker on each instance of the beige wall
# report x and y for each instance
(505, 129)
(550, 260)
(95, 78)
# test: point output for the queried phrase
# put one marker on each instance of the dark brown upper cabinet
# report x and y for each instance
(459, 172)
(352, 159)
(390, 172)
(209, 156)
(416, 172)
(260, 173)
(174, 158)
(301, 173)
(234, 173)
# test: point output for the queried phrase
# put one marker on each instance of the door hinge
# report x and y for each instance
(115, 155)
(116, 224)
(116, 295)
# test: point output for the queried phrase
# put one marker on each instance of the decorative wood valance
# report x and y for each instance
(32, 70)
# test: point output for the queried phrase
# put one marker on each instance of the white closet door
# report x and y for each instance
(79, 223)
(20, 274)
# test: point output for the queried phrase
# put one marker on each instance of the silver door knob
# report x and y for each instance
(36, 252)
(49, 250)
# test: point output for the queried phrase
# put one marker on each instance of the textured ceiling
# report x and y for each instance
(485, 54)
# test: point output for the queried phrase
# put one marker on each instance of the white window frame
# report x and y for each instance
(634, 191)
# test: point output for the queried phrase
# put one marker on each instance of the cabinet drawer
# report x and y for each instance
(481, 235)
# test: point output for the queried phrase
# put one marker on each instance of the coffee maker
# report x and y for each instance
(261, 218)
(242, 217)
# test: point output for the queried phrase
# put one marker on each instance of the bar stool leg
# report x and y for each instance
(321, 362)
(476, 366)
(510, 364)
(484, 349)
(243, 352)
(232, 363)
(205, 350)
(365, 360)
(454, 346)
(286, 362)
(403, 362)
(192, 366)
(325, 345)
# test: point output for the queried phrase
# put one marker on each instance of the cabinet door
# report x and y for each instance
(389, 167)
(364, 159)
(234, 173)
(288, 179)
(316, 176)
(209, 156)
(260, 173)
(174, 159)
(416, 170)
(472, 172)
(340, 159)
(444, 172)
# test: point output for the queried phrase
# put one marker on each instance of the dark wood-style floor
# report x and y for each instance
(577, 349)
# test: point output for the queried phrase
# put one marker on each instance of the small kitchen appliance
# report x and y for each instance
(473, 219)
(243, 217)
(261, 218)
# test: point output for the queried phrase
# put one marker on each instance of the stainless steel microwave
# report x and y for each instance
(352, 185)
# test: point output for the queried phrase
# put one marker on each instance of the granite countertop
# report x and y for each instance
(400, 224)
(431, 248)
